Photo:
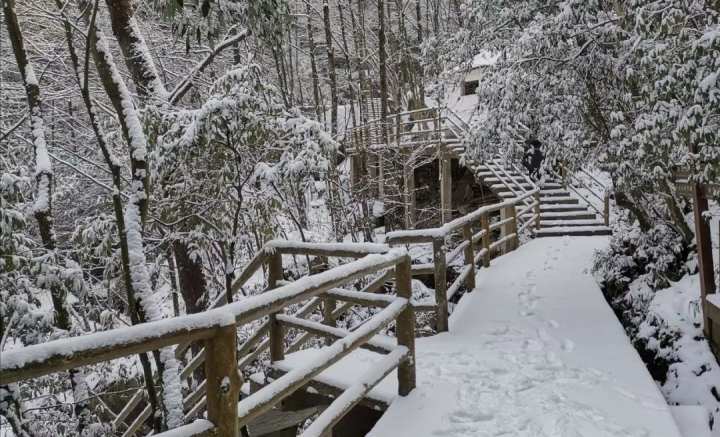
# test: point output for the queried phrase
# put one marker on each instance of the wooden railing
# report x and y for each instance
(427, 126)
(473, 237)
(595, 188)
(216, 328)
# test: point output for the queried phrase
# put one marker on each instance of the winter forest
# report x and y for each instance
(360, 217)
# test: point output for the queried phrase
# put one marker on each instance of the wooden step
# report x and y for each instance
(573, 230)
(554, 193)
(562, 208)
(567, 215)
(570, 222)
(502, 187)
(559, 200)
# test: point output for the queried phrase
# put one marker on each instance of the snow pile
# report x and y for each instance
(672, 330)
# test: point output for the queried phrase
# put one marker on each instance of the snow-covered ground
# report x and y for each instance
(534, 351)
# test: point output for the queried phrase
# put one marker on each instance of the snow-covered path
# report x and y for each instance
(534, 351)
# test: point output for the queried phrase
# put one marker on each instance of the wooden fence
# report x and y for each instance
(472, 237)
(216, 328)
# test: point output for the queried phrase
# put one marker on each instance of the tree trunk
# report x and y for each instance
(313, 65)
(331, 69)
(135, 51)
(43, 204)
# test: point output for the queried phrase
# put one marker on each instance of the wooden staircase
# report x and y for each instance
(561, 212)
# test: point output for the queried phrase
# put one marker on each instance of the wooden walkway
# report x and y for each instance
(460, 249)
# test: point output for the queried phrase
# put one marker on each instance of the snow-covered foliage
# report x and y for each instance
(651, 281)
(630, 86)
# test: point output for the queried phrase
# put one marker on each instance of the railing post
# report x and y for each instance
(508, 228)
(441, 303)
(223, 382)
(328, 307)
(606, 208)
(277, 341)
(537, 211)
(469, 256)
(485, 223)
(405, 328)
(514, 242)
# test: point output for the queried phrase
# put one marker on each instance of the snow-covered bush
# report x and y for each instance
(657, 257)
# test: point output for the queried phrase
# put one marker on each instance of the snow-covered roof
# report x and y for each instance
(485, 59)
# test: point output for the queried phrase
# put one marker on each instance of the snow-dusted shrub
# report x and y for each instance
(657, 256)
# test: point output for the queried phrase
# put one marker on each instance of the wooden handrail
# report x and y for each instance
(217, 328)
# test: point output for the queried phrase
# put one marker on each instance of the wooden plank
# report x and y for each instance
(321, 330)
(278, 420)
(459, 281)
(354, 394)
(199, 428)
(91, 351)
(255, 263)
(262, 401)
(361, 298)
(338, 250)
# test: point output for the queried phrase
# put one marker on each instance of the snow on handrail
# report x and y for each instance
(63, 354)
(442, 231)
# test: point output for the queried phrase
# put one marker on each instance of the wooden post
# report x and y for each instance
(405, 328)
(445, 163)
(485, 223)
(328, 307)
(704, 249)
(445, 172)
(606, 208)
(223, 382)
(277, 340)
(469, 257)
(513, 243)
(441, 303)
(410, 200)
(537, 210)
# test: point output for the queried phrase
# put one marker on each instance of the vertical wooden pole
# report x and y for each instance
(514, 242)
(469, 257)
(410, 200)
(445, 186)
(606, 209)
(537, 210)
(704, 249)
(328, 306)
(405, 328)
(441, 303)
(485, 223)
(223, 382)
(277, 341)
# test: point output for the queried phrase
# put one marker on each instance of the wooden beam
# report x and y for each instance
(405, 329)
(445, 163)
(441, 315)
(223, 382)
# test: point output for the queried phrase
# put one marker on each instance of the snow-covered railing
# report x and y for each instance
(217, 329)
(476, 238)
(597, 189)
(409, 129)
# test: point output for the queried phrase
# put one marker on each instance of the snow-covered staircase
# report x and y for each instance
(561, 212)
